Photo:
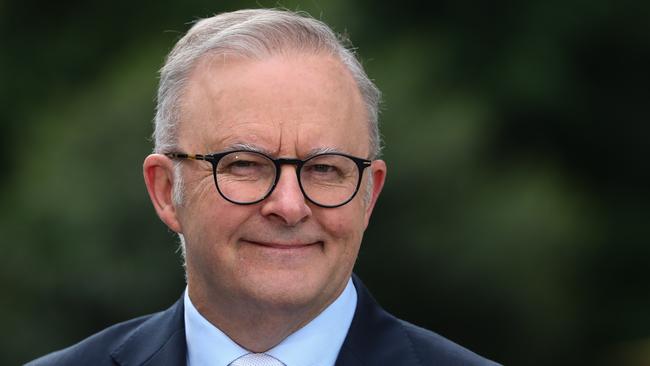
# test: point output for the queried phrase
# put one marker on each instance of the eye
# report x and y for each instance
(239, 166)
(322, 173)
(245, 164)
(323, 168)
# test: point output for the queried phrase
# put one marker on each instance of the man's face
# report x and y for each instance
(283, 252)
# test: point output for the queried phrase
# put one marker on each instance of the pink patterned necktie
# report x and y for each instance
(256, 359)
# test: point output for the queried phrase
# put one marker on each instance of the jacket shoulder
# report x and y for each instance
(96, 349)
(432, 348)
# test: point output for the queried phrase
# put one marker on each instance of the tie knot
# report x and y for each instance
(256, 359)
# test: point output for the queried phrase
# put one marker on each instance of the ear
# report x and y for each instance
(378, 171)
(158, 173)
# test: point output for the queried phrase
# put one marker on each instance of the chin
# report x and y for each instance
(291, 290)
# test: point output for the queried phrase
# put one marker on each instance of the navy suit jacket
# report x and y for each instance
(375, 338)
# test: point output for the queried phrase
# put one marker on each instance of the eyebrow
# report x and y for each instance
(323, 150)
(254, 148)
(246, 147)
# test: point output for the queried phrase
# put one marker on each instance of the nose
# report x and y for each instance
(287, 203)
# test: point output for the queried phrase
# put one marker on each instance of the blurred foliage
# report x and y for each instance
(516, 207)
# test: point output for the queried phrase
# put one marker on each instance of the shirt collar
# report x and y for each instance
(316, 344)
(203, 340)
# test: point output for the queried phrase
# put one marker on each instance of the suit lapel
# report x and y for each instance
(375, 337)
(347, 357)
(158, 341)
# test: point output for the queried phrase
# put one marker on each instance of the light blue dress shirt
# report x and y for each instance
(316, 344)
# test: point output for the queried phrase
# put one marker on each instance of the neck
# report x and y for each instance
(254, 326)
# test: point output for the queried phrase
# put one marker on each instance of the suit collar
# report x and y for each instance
(158, 341)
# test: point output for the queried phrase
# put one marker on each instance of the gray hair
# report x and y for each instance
(254, 34)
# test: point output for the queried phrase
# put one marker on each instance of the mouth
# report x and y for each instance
(283, 245)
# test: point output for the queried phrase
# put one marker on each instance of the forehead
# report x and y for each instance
(286, 104)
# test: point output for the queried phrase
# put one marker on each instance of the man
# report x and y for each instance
(266, 166)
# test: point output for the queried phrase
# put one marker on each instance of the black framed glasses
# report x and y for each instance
(247, 177)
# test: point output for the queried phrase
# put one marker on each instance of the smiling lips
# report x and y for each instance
(285, 245)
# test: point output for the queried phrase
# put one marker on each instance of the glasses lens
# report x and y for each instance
(245, 177)
(329, 179)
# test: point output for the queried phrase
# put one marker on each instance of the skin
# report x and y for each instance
(260, 272)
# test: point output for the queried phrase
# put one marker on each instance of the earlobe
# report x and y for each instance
(378, 171)
(158, 173)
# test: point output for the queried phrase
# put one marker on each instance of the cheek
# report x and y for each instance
(343, 225)
(207, 220)
(211, 246)
(215, 224)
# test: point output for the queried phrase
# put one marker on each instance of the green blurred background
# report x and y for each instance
(514, 219)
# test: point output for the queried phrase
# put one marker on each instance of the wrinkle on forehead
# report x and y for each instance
(285, 106)
(221, 135)
(281, 128)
